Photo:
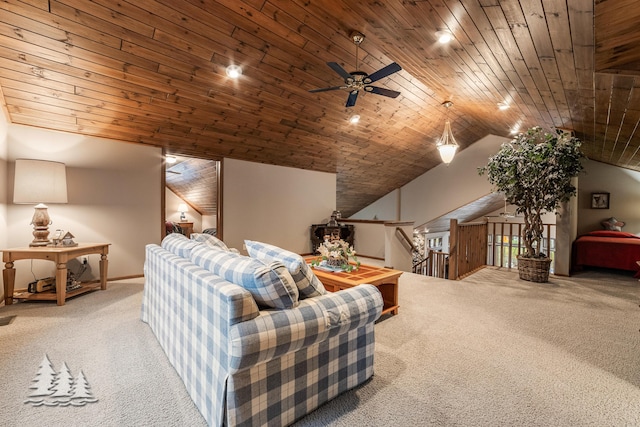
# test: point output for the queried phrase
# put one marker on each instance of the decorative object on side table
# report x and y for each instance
(334, 256)
(40, 181)
(535, 173)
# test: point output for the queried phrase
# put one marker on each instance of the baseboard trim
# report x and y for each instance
(113, 279)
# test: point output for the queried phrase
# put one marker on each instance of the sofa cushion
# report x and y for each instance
(210, 240)
(178, 244)
(307, 282)
(271, 285)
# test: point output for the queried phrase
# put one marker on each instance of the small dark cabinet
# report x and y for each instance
(318, 231)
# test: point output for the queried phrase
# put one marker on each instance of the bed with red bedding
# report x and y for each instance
(607, 249)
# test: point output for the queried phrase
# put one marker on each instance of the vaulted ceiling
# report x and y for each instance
(153, 72)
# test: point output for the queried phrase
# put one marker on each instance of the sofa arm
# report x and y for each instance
(277, 332)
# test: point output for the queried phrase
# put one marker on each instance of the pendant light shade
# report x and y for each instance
(447, 145)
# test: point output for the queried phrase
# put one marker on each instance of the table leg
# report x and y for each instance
(9, 279)
(61, 283)
(104, 263)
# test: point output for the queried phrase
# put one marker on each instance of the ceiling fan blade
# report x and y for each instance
(351, 101)
(338, 69)
(325, 89)
(383, 72)
(382, 91)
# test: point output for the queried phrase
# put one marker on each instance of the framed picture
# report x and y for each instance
(599, 200)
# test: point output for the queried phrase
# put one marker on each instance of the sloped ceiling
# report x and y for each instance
(153, 72)
(194, 181)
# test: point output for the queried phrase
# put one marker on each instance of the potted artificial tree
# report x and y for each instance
(534, 172)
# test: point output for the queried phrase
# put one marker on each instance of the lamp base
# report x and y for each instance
(40, 223)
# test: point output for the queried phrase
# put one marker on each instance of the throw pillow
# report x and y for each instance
(307, 282)
(210, 240)
(271, 285)
(178, 244)
(612, 224)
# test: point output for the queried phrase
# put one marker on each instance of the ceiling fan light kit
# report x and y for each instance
(357, 81)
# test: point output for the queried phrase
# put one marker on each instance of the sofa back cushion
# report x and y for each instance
(178, 244)
(307, 282)
(210, 240)
(271, 285)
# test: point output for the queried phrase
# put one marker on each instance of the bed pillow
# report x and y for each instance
(178, 244)
(271, 285)
(612, 224)
(307, 282)
(611, 233)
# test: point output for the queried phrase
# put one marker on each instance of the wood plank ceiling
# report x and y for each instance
(153, 72)
(195, 181)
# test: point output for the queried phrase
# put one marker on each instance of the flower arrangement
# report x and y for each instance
(336, 254)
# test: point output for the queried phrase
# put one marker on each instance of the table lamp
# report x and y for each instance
(39, 182)
(182, 208)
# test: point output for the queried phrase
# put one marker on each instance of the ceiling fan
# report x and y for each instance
(356, 81)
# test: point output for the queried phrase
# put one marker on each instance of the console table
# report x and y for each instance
(60, 255)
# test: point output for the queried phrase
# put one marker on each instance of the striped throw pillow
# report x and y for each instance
(271, 285)
(178, 244)
(307, 282)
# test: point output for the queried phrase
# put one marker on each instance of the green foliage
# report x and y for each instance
(535, 172)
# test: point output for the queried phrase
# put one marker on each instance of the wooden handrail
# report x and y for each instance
(405, 240)
(470, 249)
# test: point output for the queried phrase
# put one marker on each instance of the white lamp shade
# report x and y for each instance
(447, 152)
(39, 181)
(182, 207)
(447, 145)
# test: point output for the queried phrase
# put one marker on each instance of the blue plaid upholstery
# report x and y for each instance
(190, 310)
(271, 285)
(210, 240)
(242, 366)
(307, 282)
(179, 244)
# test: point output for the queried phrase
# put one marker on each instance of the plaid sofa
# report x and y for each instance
(245, 365)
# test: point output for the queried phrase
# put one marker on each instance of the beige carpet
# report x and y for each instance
(489, 350)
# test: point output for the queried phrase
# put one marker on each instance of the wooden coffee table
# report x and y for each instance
(385, 279)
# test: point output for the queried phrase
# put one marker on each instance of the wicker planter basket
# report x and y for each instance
(534, 269)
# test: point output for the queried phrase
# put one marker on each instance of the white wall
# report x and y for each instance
(624, 200)
(3, 191)
(386, 208)
(274, 204)
(441, 189)
(447, 187)
(369, 238)
(114, 192)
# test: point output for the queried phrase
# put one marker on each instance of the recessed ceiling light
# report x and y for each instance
(444, 36)
(234, 71)
(171, 159)
(503, 106)
(354, 119)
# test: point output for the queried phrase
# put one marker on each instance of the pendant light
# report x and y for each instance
(447, 145)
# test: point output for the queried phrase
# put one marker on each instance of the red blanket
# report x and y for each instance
(608, 249)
